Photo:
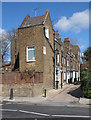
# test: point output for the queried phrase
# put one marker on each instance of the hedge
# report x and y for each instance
(86, 82)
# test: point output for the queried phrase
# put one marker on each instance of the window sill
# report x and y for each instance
(30, 61)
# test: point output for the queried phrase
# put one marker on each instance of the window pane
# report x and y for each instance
(57, 58)
(31, 53)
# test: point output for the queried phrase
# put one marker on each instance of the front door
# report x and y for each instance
(71, 76)
(60, 78)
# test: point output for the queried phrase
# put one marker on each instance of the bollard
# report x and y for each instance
(11, 93)
(56, 84)
(44, 92)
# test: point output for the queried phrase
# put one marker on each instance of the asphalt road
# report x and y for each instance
(36, 112)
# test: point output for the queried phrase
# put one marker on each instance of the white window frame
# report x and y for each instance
(47, 32)
(67, 62)
(64, 61)
(27, 53)
(57, 58)
(64, 76)
(44, 50)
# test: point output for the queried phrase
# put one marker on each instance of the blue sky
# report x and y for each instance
(61, 13)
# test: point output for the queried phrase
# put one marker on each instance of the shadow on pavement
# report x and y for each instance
(76, 92)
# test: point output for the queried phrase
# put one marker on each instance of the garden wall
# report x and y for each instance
(22, 83)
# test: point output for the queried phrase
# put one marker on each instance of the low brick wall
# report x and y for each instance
(22, 83)
(22, 90)
(18, 77)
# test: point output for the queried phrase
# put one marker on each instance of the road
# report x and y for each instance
(64, 106)
(70, 94)
(21, 110)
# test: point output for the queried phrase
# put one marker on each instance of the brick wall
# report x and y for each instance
(20, 77)
(48, 58)
(31, 36)
(22, 90)
(22, 84)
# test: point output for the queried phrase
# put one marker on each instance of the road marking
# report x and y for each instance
(42, 114)
(8, 110)
(34, 113)
(77, 116)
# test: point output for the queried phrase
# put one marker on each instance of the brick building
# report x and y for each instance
(33, 49)
(67, 68)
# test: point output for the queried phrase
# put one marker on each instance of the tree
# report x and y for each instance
(86, 82)
(87, 55)
(5, 41)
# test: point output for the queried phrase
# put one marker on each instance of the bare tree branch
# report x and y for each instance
(5, 42)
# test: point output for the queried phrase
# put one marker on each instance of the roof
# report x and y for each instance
(31, 21)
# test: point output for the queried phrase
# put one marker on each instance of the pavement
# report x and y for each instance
(49, 94)
(69, 94)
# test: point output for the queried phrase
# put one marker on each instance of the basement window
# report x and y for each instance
(30, 53)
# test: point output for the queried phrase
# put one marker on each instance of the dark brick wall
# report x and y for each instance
(21, 78)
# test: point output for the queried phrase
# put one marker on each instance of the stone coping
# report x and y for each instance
(85, 101)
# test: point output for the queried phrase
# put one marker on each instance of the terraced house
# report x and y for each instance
(37, 48)
(67, 62)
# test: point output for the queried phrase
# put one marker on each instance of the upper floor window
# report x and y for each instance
(70, 63)
(64, 61)
(64, 76)
(44, 50)
(31, 53)
(47, 32)
(62, 48)
(57, 59)
(67, 63)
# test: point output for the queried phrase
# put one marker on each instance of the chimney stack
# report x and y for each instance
(66, 39)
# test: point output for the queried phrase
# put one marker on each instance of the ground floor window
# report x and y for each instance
(64, 76)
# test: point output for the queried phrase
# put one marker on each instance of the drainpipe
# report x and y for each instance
(54, 63)
(66, 69)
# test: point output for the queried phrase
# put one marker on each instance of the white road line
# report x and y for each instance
(76, 116)
(8, 110)
(34, 113)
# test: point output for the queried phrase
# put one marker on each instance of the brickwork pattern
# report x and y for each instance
(21, 78)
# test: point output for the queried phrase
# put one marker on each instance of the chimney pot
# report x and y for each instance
(57, 31)
(67, 39)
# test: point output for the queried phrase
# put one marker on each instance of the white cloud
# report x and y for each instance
(76, 23)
